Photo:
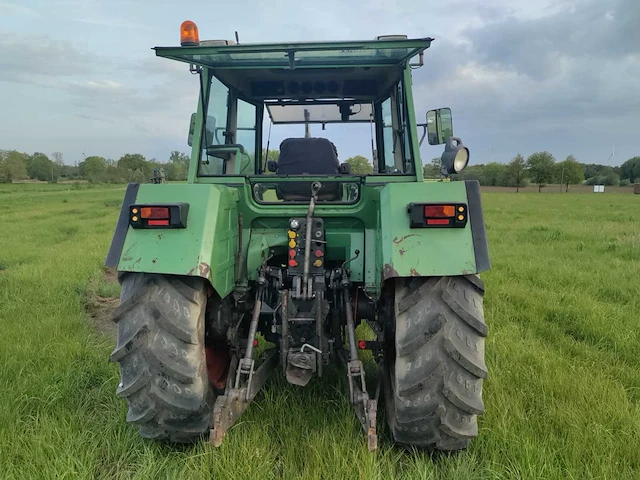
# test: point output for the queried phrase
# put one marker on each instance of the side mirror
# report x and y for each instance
(192, 128)
(439, 126)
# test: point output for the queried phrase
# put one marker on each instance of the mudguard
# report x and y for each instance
(206, 248)
(425, 252)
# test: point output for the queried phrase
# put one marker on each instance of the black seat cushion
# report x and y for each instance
(308, 156)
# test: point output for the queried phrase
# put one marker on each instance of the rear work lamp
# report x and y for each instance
(437, 215)
(173, 215)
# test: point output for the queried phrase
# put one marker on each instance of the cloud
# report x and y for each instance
(10, 9)
(39, 59)
(566, 81)
(110, 23)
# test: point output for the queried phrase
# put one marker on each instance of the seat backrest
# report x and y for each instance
(313, 156)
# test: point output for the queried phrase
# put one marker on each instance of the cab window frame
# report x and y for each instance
(231, 115)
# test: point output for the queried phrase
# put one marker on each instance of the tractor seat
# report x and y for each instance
(308, 156)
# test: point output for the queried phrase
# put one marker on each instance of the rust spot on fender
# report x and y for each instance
(204, 269)
(401, 251)
(398, 241)
(414, 272)
(388, 271)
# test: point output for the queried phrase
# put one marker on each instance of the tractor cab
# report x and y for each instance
(269, 112)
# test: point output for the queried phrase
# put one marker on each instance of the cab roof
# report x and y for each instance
(299, 55)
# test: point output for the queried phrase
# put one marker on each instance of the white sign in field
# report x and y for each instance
(598, 189)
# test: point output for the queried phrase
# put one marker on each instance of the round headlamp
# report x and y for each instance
(455, 157)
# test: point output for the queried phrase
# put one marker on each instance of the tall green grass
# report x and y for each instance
(562, 398)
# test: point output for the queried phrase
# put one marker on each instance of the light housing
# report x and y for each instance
(173, 215)
(455, 157)
(189, 34)
(437, 215)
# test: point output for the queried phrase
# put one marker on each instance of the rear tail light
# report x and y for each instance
(155, 212)
(159, 216)
(442, 215)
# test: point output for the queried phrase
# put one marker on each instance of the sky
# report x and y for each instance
(79, 76)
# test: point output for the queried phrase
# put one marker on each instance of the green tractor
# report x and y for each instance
(294, 247)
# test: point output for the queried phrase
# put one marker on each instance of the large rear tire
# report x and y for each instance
(161, 353)
(436, 361)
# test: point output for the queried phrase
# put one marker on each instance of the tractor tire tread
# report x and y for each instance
(160, 351)
(433, 387)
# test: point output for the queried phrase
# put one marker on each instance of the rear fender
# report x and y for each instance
(206, 248)
(422, 252)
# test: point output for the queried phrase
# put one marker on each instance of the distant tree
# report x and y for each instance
(472, 172)
(57, 158)
(93, 168)
(612, 179)
(39, 167)
(569, 172)
(179, 157)
(136, 167)
(274, 154)
(113, 174)
(178, 166)
(13, 166)
(631, 169)
(69, 171)
(433, 168)
(360, 165)
(594, 181)
(493, 174)
(540, 168)
(598, 170)
(516, 172)
(132, 161)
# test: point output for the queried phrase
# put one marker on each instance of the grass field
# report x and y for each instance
(562, 398)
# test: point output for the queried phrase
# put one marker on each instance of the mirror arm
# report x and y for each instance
(424, 132)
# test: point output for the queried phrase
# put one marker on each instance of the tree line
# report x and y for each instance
(541, 169)
(131, 167)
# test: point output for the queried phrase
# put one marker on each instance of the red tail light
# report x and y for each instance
(438, 221)
(155, 212)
